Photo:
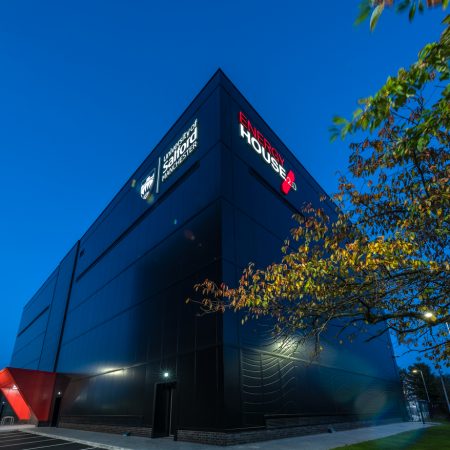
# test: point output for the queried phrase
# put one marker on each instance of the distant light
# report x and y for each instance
(166, 374)
(189, 234)
(59, 393)
(415, 371)
(428, 315)
(15, 388)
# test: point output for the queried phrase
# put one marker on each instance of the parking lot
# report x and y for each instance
(19, 440)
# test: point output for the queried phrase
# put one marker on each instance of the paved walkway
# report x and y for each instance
(4, 428)
(312, 442)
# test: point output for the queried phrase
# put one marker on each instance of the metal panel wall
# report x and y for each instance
(57, 311)
(127, 321)
(352, 381)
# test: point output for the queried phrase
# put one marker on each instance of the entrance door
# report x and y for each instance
(55, 415)
(163, 406)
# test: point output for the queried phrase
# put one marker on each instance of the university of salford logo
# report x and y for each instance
(147, 185)
(176, 156)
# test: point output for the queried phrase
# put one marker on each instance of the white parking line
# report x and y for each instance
(47, 446)
(32, 442)
(18, 438)
(19, 441)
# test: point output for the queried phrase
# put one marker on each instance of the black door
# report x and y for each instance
(163, 406)
(55, 415)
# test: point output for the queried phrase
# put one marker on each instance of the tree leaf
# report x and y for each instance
(412, 12)
(334, 133)
(375, 16)
(364, 11)
(403, 5)
(337, 120)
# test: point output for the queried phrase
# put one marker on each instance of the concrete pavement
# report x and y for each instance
(4, 428)
(312, 442)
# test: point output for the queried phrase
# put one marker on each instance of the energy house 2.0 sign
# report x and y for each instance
(267, 151)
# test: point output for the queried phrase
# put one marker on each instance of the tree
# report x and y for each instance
(420, 383)
(414, 385)
(374, 8)
(382, 262)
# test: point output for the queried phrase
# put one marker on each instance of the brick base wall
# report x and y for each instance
(233, 438)
(245, 437)
(115, 429)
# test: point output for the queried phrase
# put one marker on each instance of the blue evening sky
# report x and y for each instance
(87, 88)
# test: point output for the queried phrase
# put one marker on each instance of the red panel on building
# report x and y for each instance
(29, 392)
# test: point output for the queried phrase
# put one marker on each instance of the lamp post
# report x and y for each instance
(445, 390)
(426, 390)
(430, 315)
(442, 379)
(424, 384)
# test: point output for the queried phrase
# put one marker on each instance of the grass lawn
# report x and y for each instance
(433, 438)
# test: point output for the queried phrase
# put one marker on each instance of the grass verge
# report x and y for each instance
(432, 438)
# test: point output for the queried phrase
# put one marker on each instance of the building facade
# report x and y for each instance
(217, 192)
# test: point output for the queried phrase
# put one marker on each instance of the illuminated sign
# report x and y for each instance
(167, 164)
(267, 151)
(180, 151)
(288, 183)
(147, 184)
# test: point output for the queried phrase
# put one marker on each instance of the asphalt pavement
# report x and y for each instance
(19, 440)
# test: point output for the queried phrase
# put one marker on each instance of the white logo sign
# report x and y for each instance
(180, 151)
(147, 185)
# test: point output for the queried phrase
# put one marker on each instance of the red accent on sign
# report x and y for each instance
(260, 137)
(286, 185)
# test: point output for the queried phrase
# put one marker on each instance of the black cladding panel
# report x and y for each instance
(358, 380)
(137, 266)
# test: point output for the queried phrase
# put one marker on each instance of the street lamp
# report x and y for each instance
(424, 384)
(430, 315)
(426, 390)
(442, 379)
(444, 389)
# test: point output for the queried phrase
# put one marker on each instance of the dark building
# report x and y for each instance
(218, 191)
